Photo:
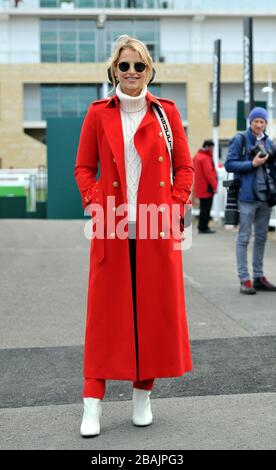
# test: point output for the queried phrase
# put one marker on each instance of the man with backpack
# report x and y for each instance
(250, 158)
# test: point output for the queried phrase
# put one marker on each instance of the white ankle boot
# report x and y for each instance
(92, 413)
(142, 415)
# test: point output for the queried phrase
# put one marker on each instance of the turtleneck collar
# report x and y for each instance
(131, 104)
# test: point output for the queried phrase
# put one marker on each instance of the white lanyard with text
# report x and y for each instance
(167, 132)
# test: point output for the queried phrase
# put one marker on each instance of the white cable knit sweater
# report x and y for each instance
(133, 110)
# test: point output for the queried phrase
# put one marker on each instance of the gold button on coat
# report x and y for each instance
(162, 209)
(160, 134)
(160, 159)
(114, 160)
(162, 184)
(114, 209)
(112, 235)
(162, 234)
(115, 184)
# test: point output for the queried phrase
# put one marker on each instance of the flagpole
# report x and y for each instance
(216, 118)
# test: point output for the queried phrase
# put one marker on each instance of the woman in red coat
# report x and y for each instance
(136, 325)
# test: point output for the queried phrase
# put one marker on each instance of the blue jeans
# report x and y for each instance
(258, 214)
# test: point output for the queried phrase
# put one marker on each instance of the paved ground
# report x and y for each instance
(229, 400)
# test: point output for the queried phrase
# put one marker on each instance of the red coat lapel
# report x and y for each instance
(112, 124)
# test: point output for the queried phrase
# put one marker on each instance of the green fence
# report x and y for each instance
(59, 197)
(64, 200)
(22, 201)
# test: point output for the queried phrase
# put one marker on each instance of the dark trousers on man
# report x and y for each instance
(204, 214)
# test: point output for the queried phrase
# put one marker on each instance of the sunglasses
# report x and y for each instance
(138, 66)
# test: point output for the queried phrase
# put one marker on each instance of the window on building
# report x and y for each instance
(231, 93)
(154, 89)
(147, 31)
(49, 3)
(67, 100)
(177, 93)
(80, 40)
(68, 40)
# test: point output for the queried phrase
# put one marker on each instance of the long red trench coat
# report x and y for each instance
(163, 347)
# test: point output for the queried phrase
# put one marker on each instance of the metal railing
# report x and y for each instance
(197, 6)
(225, 5)
(35, 4)
(33, 181)
(148, 4)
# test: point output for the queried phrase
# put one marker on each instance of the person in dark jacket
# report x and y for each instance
(205, 183)
(252, 199)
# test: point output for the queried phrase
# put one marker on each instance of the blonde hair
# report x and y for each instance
(127, 42)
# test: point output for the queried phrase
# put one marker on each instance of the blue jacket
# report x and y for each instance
(244, 169)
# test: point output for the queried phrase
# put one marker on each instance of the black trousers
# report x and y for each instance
(132, 256)
(204, 214)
